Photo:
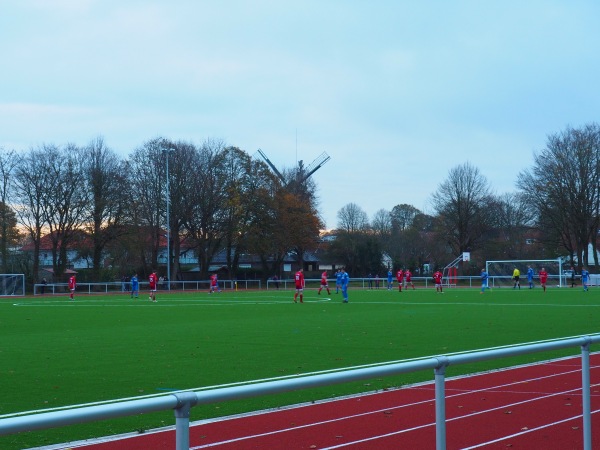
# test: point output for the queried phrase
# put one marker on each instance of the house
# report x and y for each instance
(79, 252)
(79, 256)
(74, 259)
(250, 265)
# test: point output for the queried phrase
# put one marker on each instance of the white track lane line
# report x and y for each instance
(498, 388)
(531, 430)
(432, 424)
(372, 438)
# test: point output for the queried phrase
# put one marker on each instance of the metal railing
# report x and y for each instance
(182, 402)
(116, 287)
(288, 283)
(381, 283)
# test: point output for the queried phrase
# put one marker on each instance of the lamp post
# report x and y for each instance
(168, 150)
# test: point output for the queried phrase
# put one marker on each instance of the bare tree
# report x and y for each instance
(265, 237)
(183, 172)
(564, 185)
(8, 231)
(403, 216)
(104, 178)
(31, 183)
(382, 223)
(404, 244)
(461, 203)
(352, 218)
(513, 220)
(208, 202)
(147, 177)
(64, 201)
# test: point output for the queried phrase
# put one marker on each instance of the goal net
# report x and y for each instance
(501, 272)
(12, 284)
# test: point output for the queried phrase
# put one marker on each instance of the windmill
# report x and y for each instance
(298, 186)
(302, 173)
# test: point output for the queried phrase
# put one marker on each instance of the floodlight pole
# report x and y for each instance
(168, 195)
(168, 228)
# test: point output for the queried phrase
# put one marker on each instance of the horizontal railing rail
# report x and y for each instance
(182, 402)
(286, 283)
(381, 283)
(116, 287)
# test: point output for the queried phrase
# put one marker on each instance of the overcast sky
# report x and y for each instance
(395, 92)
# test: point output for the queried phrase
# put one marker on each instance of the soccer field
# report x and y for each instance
(55, 352)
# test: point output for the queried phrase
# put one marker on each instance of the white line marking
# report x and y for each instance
(530, 430)
(432, 424)
(559, 362)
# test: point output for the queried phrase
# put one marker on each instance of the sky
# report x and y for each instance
(397, 93)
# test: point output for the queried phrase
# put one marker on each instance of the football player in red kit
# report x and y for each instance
(324, 284)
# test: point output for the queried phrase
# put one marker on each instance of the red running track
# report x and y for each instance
(530, 407)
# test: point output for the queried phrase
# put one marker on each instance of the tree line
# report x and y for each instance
(113, 210)
(554, 211)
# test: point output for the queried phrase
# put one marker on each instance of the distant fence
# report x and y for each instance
(381, 283)
(355, 283)
(181, 402)
(118, 286)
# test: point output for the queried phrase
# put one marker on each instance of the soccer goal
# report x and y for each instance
(501, 272)
(12, 284)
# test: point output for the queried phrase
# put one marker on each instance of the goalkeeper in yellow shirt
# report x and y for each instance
(516, 276)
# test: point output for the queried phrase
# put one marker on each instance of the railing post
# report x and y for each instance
(585, 393)
(440, 403)
(185, 401)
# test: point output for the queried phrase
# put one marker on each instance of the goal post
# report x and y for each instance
(12, 284)
(501, 272)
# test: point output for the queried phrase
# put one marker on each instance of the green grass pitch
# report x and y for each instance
(54, 352)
